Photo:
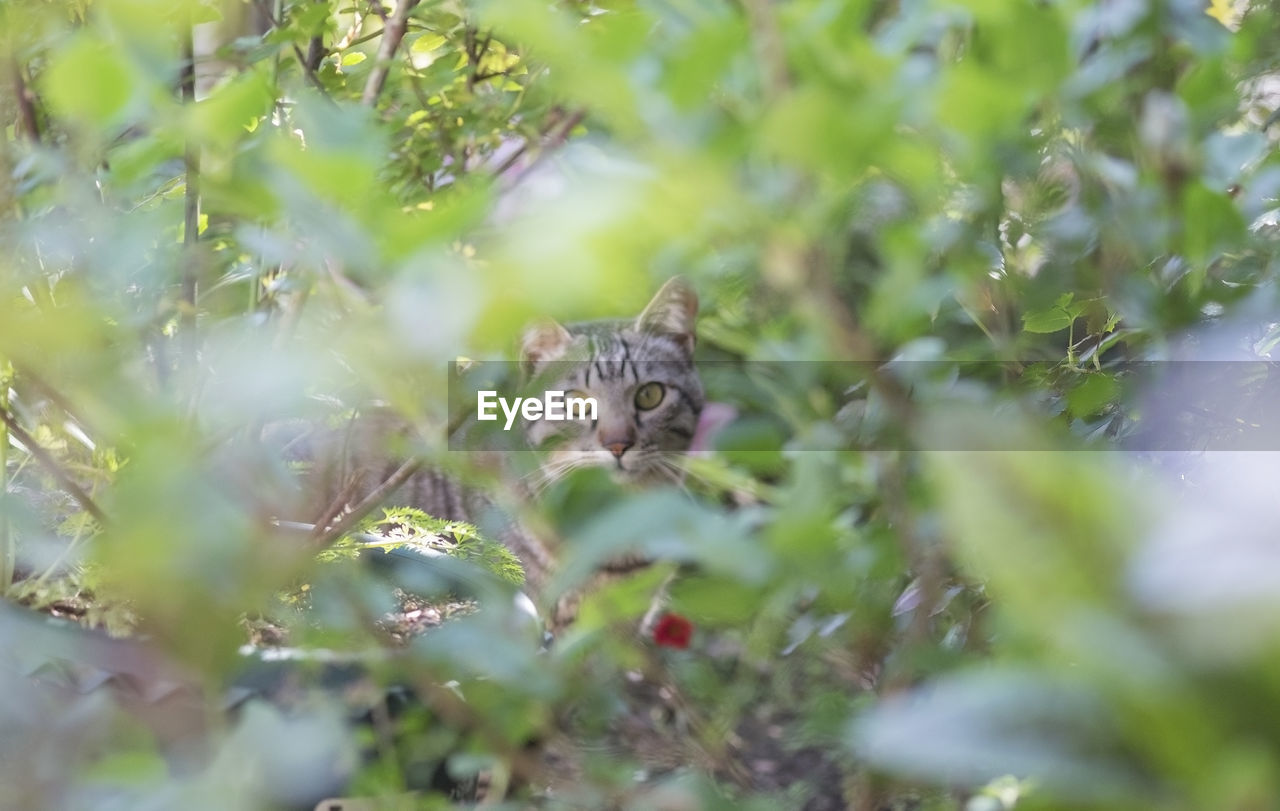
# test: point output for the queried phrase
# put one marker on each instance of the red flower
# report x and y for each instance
(673, 631)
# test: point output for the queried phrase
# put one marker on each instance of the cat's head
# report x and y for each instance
(642, 376)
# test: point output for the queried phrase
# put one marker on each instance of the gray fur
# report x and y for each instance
(618, 361)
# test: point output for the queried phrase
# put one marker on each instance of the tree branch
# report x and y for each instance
(50, 464)
(395, 27)
(315, 54)
(308, 71)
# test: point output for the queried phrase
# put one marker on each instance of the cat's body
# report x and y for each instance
(342, 466)
(640, 372)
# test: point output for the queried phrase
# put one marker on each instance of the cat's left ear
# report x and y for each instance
(673, 312)
(543, 342)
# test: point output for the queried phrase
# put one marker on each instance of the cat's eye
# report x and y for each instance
(649, 396)
(577, 394)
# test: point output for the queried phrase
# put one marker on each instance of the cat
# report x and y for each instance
(641, 372)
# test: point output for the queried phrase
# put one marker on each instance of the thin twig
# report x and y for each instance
(309, 72)
(394, 30)
(50, 464)
(334, 509)
(560, 136)
(415, 84)
(476, 52)
(191, 206)
(369, 502)
(29, 124)
(27, 376)
(8, 549)
(359, 39)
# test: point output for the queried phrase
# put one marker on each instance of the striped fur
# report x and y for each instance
(619, 360)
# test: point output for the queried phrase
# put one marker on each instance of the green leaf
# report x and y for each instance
(1046, 321)
(128, 767)
(1054, 319)
(1211, 223)
(1047, 530)
(92, 82)
(970, 728)
(1094, 392)
(426, 43)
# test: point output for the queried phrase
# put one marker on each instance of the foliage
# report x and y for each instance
(996, 207)
(412, 530)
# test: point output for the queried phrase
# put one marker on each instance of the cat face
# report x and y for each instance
(642, 376)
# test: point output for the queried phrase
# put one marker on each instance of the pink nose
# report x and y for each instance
(618, 448)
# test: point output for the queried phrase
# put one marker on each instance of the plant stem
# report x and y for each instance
(191, 205)
(8, 547)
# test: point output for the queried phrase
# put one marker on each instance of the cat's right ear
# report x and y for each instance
(543, 342)
(672, 312)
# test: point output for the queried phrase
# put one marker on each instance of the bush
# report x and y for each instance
(942, 248)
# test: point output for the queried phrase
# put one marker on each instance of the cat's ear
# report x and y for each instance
(673, 312)
(543, 342)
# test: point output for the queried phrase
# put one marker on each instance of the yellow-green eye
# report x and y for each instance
(577, 410)
(649, 396)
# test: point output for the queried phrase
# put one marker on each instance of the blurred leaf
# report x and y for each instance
(226, 115)
(1047, 530)
(92, 82)
(972, 728)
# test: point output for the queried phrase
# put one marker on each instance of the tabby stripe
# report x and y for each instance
(626, 356)
(454, 497)
(686, 396)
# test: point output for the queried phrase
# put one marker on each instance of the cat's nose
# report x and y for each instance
(617, 448)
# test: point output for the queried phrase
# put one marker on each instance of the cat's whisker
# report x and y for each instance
(553, 471)
(680, 467)
(544, 479)
(669, 468)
